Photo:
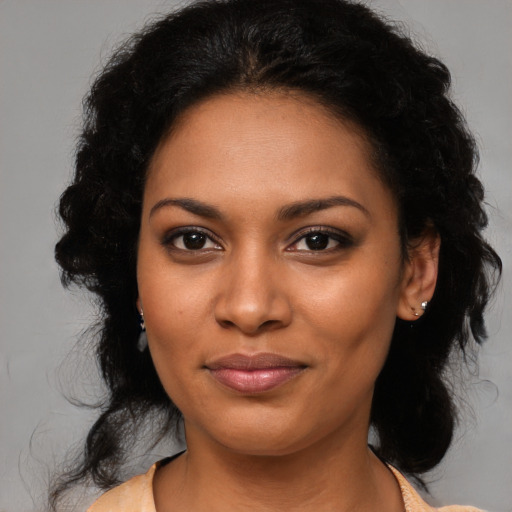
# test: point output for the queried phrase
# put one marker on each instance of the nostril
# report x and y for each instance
(269, 324)
(254, 329)
(227, 324)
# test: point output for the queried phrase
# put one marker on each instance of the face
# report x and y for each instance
(270, 273)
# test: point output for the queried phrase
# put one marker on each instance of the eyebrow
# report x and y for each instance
(190, 205)
(303, 208)
(288, 212)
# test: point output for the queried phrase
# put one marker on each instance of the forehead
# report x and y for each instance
(281, 145)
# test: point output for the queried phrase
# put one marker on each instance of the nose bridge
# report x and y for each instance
(251, 297)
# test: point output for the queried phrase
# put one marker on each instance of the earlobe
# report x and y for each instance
(419, 276)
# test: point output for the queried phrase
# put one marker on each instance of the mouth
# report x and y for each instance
(254, 374)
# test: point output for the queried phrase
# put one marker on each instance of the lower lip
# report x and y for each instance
(255, 381)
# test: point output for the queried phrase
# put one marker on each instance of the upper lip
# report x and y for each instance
(259, 361)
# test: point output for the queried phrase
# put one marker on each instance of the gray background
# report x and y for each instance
(48, 51)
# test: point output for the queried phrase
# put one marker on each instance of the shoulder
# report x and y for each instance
(414, 503)
(135, 495)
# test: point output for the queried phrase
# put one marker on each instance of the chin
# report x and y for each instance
(265, 437)
(258, 446)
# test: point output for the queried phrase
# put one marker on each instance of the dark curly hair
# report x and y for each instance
(363, 69)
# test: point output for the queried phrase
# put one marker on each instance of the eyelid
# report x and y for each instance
(172, 234)
(342, 237)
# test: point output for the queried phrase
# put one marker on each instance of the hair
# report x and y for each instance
(363, 69)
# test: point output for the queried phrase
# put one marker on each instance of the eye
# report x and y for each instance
(191, 240)
(318, 240)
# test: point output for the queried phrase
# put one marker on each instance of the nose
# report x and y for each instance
(251, 297)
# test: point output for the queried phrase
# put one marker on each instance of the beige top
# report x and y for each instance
(136, 495)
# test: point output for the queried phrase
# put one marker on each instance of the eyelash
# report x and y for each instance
(169, 240)
(343, 239)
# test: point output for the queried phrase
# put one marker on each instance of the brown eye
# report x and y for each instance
(320, 240)
(191, 240)
(194, 241)
(317, 241)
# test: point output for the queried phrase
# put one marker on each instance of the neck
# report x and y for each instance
(329, 475)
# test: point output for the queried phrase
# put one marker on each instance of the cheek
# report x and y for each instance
(173, 299)
(173, 345)
(352, 321)
(174, 308)
(174, 313)
(353, 295)
(353, 312)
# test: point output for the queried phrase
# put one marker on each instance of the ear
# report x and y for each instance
(419, 275)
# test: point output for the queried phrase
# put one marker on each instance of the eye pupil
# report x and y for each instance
(194, 240)
(317, 241)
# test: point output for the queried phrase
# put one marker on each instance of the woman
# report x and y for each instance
(276, 203)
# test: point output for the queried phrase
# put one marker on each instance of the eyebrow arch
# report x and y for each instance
(302, 208)
(190, 205)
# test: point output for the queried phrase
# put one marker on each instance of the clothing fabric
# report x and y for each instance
(136, 495)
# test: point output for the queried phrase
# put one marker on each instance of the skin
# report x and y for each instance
(257, 286)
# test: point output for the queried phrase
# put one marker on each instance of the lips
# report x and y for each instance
(254, 374)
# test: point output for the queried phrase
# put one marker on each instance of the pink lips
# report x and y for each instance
(254, 374)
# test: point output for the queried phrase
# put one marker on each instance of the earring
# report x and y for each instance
(142, 342)
(424, 305)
